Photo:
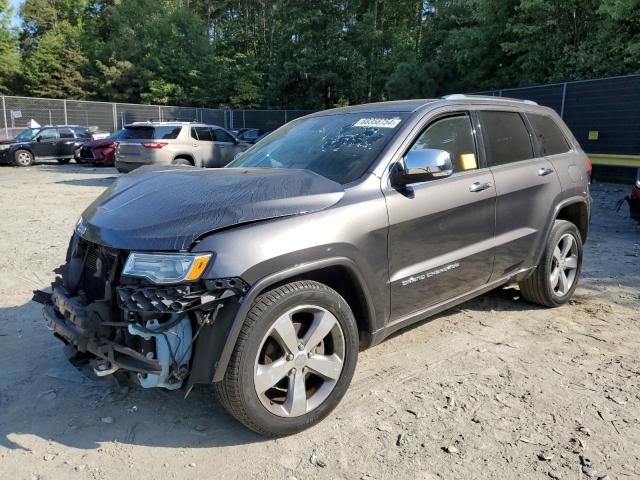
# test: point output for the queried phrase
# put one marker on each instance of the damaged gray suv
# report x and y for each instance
(267, 277)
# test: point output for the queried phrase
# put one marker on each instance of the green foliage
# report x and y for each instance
(54, 67)
(308, 54)
(9, 57)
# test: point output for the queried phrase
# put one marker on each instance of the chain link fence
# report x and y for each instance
(19, 112)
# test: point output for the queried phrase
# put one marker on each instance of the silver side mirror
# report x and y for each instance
(423, 165)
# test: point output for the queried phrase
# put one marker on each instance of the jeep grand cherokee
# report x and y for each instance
(267, 277)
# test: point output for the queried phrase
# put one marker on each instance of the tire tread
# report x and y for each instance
(227, 390)
(534, 287)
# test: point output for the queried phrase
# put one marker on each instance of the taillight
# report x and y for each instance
(589, 166)
(154, 144)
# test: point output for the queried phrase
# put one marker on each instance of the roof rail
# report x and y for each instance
(462, 96)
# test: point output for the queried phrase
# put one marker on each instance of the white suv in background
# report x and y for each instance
(177, 143)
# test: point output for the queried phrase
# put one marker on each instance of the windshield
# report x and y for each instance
(27, 134)
(340, 147)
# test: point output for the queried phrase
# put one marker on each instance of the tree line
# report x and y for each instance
(307, 53)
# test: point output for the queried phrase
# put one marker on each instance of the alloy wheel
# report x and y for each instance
(299, 361)
(564, 266)
(24, 159)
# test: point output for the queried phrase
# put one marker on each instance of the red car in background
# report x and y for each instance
(99, 152)
(633, 199)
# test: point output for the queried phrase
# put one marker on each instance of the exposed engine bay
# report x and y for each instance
(114, 323)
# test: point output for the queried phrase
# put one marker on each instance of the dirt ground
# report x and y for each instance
(496, 388)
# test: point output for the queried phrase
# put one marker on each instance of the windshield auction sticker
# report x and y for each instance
(377, 122)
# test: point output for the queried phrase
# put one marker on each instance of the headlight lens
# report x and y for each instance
(5, 147)
(166, 267)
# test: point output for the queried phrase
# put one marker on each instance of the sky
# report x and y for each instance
(15, 4)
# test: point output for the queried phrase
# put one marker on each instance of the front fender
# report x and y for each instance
(15, 148)
(263, 284)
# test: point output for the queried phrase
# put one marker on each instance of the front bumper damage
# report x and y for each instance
(163, 335)
(76, 325)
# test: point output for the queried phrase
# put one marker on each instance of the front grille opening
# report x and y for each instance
(98, 268)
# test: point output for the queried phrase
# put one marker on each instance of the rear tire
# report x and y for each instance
(182, 161)
(23, 158)
(276, 358)
(63, 161)
(556, 277)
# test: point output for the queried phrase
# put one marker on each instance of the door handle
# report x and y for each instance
(544, 171)
(479, 186)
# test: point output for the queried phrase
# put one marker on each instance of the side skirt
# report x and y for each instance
(427, 312)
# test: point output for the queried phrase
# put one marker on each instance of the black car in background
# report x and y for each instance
(252, 135)
(44, 143)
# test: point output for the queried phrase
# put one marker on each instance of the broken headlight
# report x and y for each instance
(166, 267)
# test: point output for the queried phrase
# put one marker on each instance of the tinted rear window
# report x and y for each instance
(65, 133)
(151, 133)
(548, 134)
(506, 137)
(202, 133)
(222, 136)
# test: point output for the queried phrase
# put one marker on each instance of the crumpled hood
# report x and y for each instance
(168, 208)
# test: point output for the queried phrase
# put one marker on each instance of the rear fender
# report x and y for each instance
(554, 216)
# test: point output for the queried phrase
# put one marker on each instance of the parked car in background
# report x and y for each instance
(177, 143)
(633, 199)
(60, 142)
(252, 135)
(98, 134)
(100, 152)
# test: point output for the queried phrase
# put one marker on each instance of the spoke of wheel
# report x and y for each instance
(571, 262)
(285, 333)
(555, 276)
(566, 247)
(564, 282)
(327, 366)
(268, 375)
(296, 402)
(557, 254)
(322, 325)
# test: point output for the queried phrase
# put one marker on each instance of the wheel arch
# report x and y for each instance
(341, 274)
(575, 210)
(17, 148)
(578, 214)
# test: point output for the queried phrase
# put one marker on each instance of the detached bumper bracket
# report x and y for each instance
(41, 296)
(68, 319)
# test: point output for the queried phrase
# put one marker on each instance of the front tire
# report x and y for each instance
(23, 158)
(556, 277)
(293, 361)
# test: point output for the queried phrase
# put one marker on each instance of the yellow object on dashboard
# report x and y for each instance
(468, 161)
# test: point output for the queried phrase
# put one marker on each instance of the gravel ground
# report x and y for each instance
(495, 388)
